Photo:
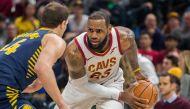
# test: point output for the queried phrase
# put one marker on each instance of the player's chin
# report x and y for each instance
(95, 45)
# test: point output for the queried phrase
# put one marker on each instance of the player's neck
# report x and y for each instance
(57, 32)
(106, 46)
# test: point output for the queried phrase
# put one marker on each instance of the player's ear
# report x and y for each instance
(109, 28)
(64, 24)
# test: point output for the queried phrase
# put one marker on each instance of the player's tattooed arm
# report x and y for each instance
(129, 61)
(74, 61)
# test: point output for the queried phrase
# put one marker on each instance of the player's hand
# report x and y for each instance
(63, 106)
(134, 102)
(140, 76)
(35, 86)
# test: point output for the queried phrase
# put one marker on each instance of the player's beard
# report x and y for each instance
(100, 46)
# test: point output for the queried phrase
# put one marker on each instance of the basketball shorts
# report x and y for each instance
(12, 98)
(79, 100)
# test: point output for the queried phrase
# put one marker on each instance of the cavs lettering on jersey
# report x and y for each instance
(101, 67)
(19, 57)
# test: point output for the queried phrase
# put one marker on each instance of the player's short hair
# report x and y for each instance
(54, 14)
(98, 15)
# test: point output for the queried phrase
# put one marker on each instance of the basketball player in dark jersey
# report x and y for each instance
(26, 62)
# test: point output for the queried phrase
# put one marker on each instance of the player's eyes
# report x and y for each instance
(90, 30)
(98, 31)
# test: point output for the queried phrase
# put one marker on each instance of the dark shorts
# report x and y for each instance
(11, 98)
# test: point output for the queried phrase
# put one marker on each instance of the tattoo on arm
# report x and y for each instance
(126, 39)
(74, 61)
(129, 77)
(131, 53)
(129, 61)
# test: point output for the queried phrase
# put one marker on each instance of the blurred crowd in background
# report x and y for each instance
(161, 27)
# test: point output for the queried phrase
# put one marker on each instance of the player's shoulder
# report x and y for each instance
(72, 51)
(125, 32)
(53, 38)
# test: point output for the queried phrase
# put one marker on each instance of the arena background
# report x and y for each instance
(161, 27)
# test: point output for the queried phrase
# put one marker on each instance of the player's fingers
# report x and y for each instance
(140, 105)
(133, 106)
(141, 100)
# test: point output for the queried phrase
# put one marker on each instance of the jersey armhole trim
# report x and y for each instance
(80, 49)
(118, 40)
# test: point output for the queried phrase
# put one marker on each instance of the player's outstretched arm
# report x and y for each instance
(52, 48)
(79, 78)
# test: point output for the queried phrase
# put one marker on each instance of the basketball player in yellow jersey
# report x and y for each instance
(26, 62)
(93, 62)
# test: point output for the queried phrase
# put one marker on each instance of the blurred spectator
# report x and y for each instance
(171, 44)
(118, 13)
(11, 32)
(27, 22)
(145, 48)
(154, 31)
(136, 11)
(185, 80)
(186, 28)
(5, 7)
(184, 33)
(40, 11)
(167, 85)
(3, 35)
(163, 7)
(169, 62)
(87, 5)
(77, 20)
(176, 71)
(19, 8)
(172, 24)
(148, 69)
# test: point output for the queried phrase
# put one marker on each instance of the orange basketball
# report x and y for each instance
(146, 90)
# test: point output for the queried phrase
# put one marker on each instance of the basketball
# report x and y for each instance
(146, 90)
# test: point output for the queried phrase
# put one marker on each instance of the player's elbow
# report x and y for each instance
(80, 82)
(40, 68)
